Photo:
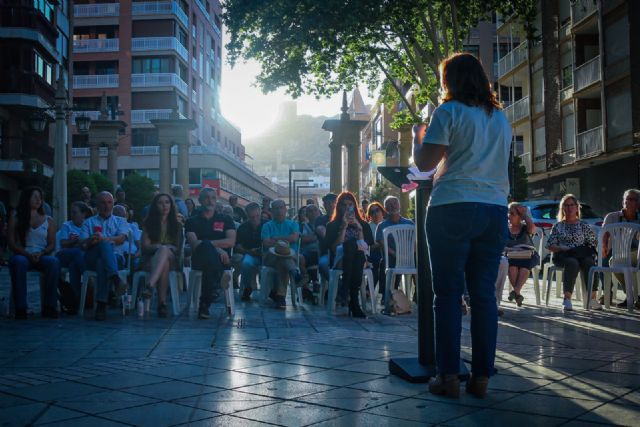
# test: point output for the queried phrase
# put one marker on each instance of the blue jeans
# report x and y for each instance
(323, 266)
(101, 259)
(73, 259)
(207, 259)
(249, 269)
(465, 242)
(49, 266)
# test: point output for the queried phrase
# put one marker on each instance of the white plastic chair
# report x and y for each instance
(265, 282)
(367, 281)
(550, 271)
(404, 236)
(90, 274)
(621, 237)
(539, 240)
(195, 289)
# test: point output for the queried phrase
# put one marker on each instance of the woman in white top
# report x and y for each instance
(32, 238)
(468, 140)
(71, 254)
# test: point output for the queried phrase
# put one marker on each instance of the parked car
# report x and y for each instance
(544, 213)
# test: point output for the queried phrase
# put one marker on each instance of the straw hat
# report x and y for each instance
(282, 249)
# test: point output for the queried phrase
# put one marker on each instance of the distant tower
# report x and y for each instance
(287, 111)
(357, 108)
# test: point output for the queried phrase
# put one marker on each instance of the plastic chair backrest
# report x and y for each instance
(539, 242)
(621, 237)
(404, 236)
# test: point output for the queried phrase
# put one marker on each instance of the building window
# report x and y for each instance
(151, 65)
(567, 76)
(44, 7)
(144, 137)
(43, 68)
(473, 49)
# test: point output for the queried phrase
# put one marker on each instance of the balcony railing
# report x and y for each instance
(582, 9)
(96, 45)
(206, 14)
(514, 58)
(95, 81)
(566, 93)
(526, 161)
(586, 74)
(159, 80)
(93, 115)
(160, 8)
(194, 63)
(194, 96)
(159, 43)
(145, 116)
(518, 110)
(84, 152)
(148, 150)
(96, 10)
(589, 143)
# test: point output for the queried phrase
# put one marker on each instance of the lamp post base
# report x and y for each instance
(409, 369)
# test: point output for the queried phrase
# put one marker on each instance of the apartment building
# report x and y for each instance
(34, 52)
(571, 98)
(150, 57)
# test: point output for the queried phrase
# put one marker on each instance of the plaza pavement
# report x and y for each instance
(301, 367)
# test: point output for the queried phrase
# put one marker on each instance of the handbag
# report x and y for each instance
(400, 304)
(520, 252)
(582, 251)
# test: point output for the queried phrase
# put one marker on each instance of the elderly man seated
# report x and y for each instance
(248, 251)
(102, 234)
(279, 244)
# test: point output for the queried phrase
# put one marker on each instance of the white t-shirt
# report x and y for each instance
(475, 167)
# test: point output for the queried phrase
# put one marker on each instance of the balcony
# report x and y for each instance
(194, 96)
(589, 143)
(96, 10)
(84, 152)
(206, 14)
(586, 74)
(145, 116)
(566, 93)
(159, 80)
(194, 63)
(96, 81)
(517, 110)
(525, 159)
(160, 8)
(93, 115)
(145, 150)
(513, 59)
(582, 9)
(96, 45)
(141, 44)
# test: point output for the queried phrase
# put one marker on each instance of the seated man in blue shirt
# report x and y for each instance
(101, 234)
(392, 206)
(276, 233)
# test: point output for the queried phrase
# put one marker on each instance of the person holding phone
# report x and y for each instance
(100, 235)
(71, 253)
(350, 235)
(468, 142)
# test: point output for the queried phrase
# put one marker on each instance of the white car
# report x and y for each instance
(544, 213)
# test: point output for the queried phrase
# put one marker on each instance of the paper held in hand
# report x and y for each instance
(417, 175)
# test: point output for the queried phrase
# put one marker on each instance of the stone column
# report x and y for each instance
(353, 171)
(183, 166)
(112, 162)
(165, 165)
(335, 165)
(94, 157)
(405, 139)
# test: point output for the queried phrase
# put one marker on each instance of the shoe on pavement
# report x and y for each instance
(203, 313)
(512, 296)
(120, 286)
(519, 300)
(246, 294)
(101, 311)
(280, 302)
(595, 305)
(566, 305)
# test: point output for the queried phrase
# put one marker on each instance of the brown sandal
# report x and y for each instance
(477, 386)
(445, 385)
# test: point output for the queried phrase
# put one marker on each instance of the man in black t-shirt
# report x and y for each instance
(211, 236)
(239, 214)
(248, 248)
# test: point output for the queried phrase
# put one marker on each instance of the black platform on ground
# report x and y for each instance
(424, 367)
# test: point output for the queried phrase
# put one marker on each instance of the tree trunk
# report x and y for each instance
(551, 76)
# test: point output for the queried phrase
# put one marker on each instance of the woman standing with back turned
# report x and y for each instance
(468, 139)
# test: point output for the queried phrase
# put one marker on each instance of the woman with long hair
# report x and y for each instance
(350, 232)
(32, 239)
(573, 246)
(468, 141)
(161, 242)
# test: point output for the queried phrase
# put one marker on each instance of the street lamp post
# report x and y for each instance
(60, 156)
(294, 202)
(291, 172)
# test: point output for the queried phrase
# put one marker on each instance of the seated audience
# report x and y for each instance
(210, 235)
(32, 241)
(375, 215)
(239, 214)
(276, 234)
(71, 253)
(573, 246)
(630, 213)
(101, 235)
(161, 245)
(248, 249)
(350, 235)
(521, 231)
(181, 206)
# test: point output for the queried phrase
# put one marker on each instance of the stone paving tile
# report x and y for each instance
(391, 385)
(364, 419)
(106, 401)
(496, 418)
(614, 413)
(34, 413)
(280, 370)
(226, 421)
(171, 390)
(335, 377)
(158, 415)
(49, 392)
(87, 421)
(291, 414)
(284, 389)
(227, 401)
(229, 379)
(422, 411)
(548, 405)
(349, 399)
(123, 380)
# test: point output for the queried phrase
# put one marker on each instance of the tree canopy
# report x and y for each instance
(320, 47)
